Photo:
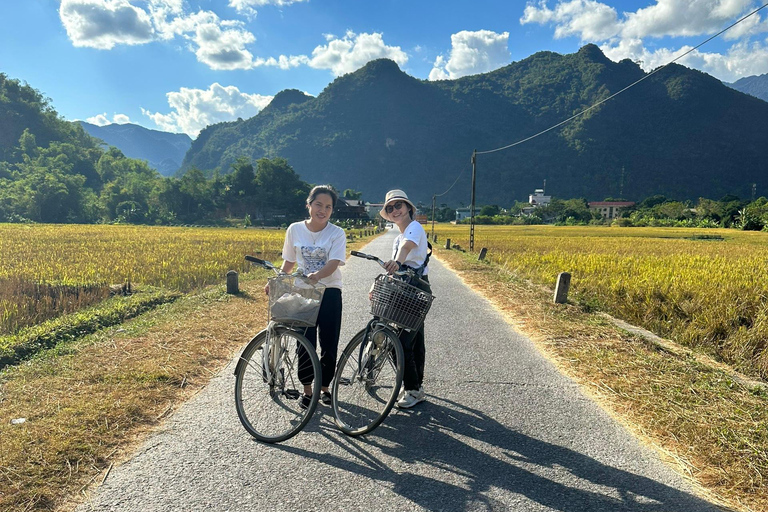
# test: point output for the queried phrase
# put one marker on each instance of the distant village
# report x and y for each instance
(357, 209)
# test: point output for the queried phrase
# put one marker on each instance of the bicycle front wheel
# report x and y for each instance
(268, 387)
(368, 378)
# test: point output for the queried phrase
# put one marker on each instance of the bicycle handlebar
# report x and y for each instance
(403, 272)
(270, 266)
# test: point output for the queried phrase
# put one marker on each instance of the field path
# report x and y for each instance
(502, 430)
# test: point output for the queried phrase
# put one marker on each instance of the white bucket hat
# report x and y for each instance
(393, 196)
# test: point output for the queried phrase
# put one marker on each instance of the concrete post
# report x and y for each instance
(561, 289)
(483, 252)
(232, 285)
(447, 243)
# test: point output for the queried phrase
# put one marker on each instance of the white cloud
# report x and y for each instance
(351, 52)
(99, 120)
(627, 37)
(103, 120)
(102, 24)
(683, 17)
(587, 19)
(194, 109)
(472, 53)
(741, 60)
(247, 6)
(222, 48)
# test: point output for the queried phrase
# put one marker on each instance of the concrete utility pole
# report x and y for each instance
(472, 205)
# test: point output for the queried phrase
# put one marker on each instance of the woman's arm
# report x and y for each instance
(326, 271)
(402, 255)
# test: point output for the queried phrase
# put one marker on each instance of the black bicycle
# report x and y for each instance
(370, 370)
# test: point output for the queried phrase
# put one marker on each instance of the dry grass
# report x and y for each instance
(710, 424)
(87, 404)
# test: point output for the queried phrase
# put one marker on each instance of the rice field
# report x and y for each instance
(47, 270)
(703, 288)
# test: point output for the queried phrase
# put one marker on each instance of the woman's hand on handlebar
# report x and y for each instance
(391, 266)
(266, 288)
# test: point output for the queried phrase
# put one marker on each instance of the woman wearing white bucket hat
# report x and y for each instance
(411, 249)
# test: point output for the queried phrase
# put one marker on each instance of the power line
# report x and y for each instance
(625, 88)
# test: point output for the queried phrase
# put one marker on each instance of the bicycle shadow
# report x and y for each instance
(473, 457)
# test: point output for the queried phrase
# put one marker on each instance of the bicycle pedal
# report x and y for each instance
(293, 394)
(345, 381)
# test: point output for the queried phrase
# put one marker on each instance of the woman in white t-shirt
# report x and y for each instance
(319, 248)
(411, 249)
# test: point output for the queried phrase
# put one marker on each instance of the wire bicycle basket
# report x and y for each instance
(399, 303)
(294, 300)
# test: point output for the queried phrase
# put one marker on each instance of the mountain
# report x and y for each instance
(162, 150)
(756, 85)
(680, 133)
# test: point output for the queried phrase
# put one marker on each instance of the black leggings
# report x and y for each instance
(414, 351)
(329, 324)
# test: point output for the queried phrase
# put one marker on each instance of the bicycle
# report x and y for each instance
(369, 373)
(269, 393)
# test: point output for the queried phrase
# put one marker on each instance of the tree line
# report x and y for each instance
(655, 211)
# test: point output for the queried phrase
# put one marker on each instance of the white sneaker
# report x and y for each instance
(422, 393)
(410, 399)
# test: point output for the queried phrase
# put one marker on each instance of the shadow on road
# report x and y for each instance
(472, 456)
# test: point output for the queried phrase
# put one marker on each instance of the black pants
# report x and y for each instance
(329, 327)
(414, 351)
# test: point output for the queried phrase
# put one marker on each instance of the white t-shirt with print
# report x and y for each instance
(416, 234)
(312, 251)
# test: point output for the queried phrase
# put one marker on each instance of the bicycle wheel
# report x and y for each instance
(267, 387)
(368, 379)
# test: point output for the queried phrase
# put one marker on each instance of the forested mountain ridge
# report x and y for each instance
(680, 133)
(163, 151)
(756, 85)
(51, 170)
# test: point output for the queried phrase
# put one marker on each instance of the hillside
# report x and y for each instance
(681, 133)
(162, 150)
(757, 86)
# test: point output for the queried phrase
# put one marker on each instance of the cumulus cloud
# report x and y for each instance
(247, 6)
(194, 109)
(222, 45)
(587, 19)
(472, 53)
(102, 24)
(626, 37)
(348, 53)
(103, 120)
(742, 59)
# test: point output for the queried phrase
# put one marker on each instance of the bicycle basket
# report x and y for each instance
(294, 300)
(399, 303)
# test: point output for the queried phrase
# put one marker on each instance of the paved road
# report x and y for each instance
(502, 430)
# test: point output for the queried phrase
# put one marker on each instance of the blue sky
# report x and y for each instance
(179, 65)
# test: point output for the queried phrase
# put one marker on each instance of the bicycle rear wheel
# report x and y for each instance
(268, 392)
(368, 379)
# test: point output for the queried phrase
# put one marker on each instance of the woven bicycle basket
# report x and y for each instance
(294, 300)
(399, 303)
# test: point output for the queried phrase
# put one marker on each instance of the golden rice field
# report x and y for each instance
(706, 289)
(70, 261)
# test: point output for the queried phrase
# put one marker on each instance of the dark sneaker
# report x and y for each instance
(325, 398)
(304, 401)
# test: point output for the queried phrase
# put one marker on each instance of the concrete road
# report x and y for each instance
(501, 430)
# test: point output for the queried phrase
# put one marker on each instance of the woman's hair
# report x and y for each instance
(322, 189)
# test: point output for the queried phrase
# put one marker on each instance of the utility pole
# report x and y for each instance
(472, 205)
(433, 217)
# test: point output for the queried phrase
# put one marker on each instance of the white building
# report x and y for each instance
(538, 198)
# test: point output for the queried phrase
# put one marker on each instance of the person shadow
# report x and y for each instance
(476, 461)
